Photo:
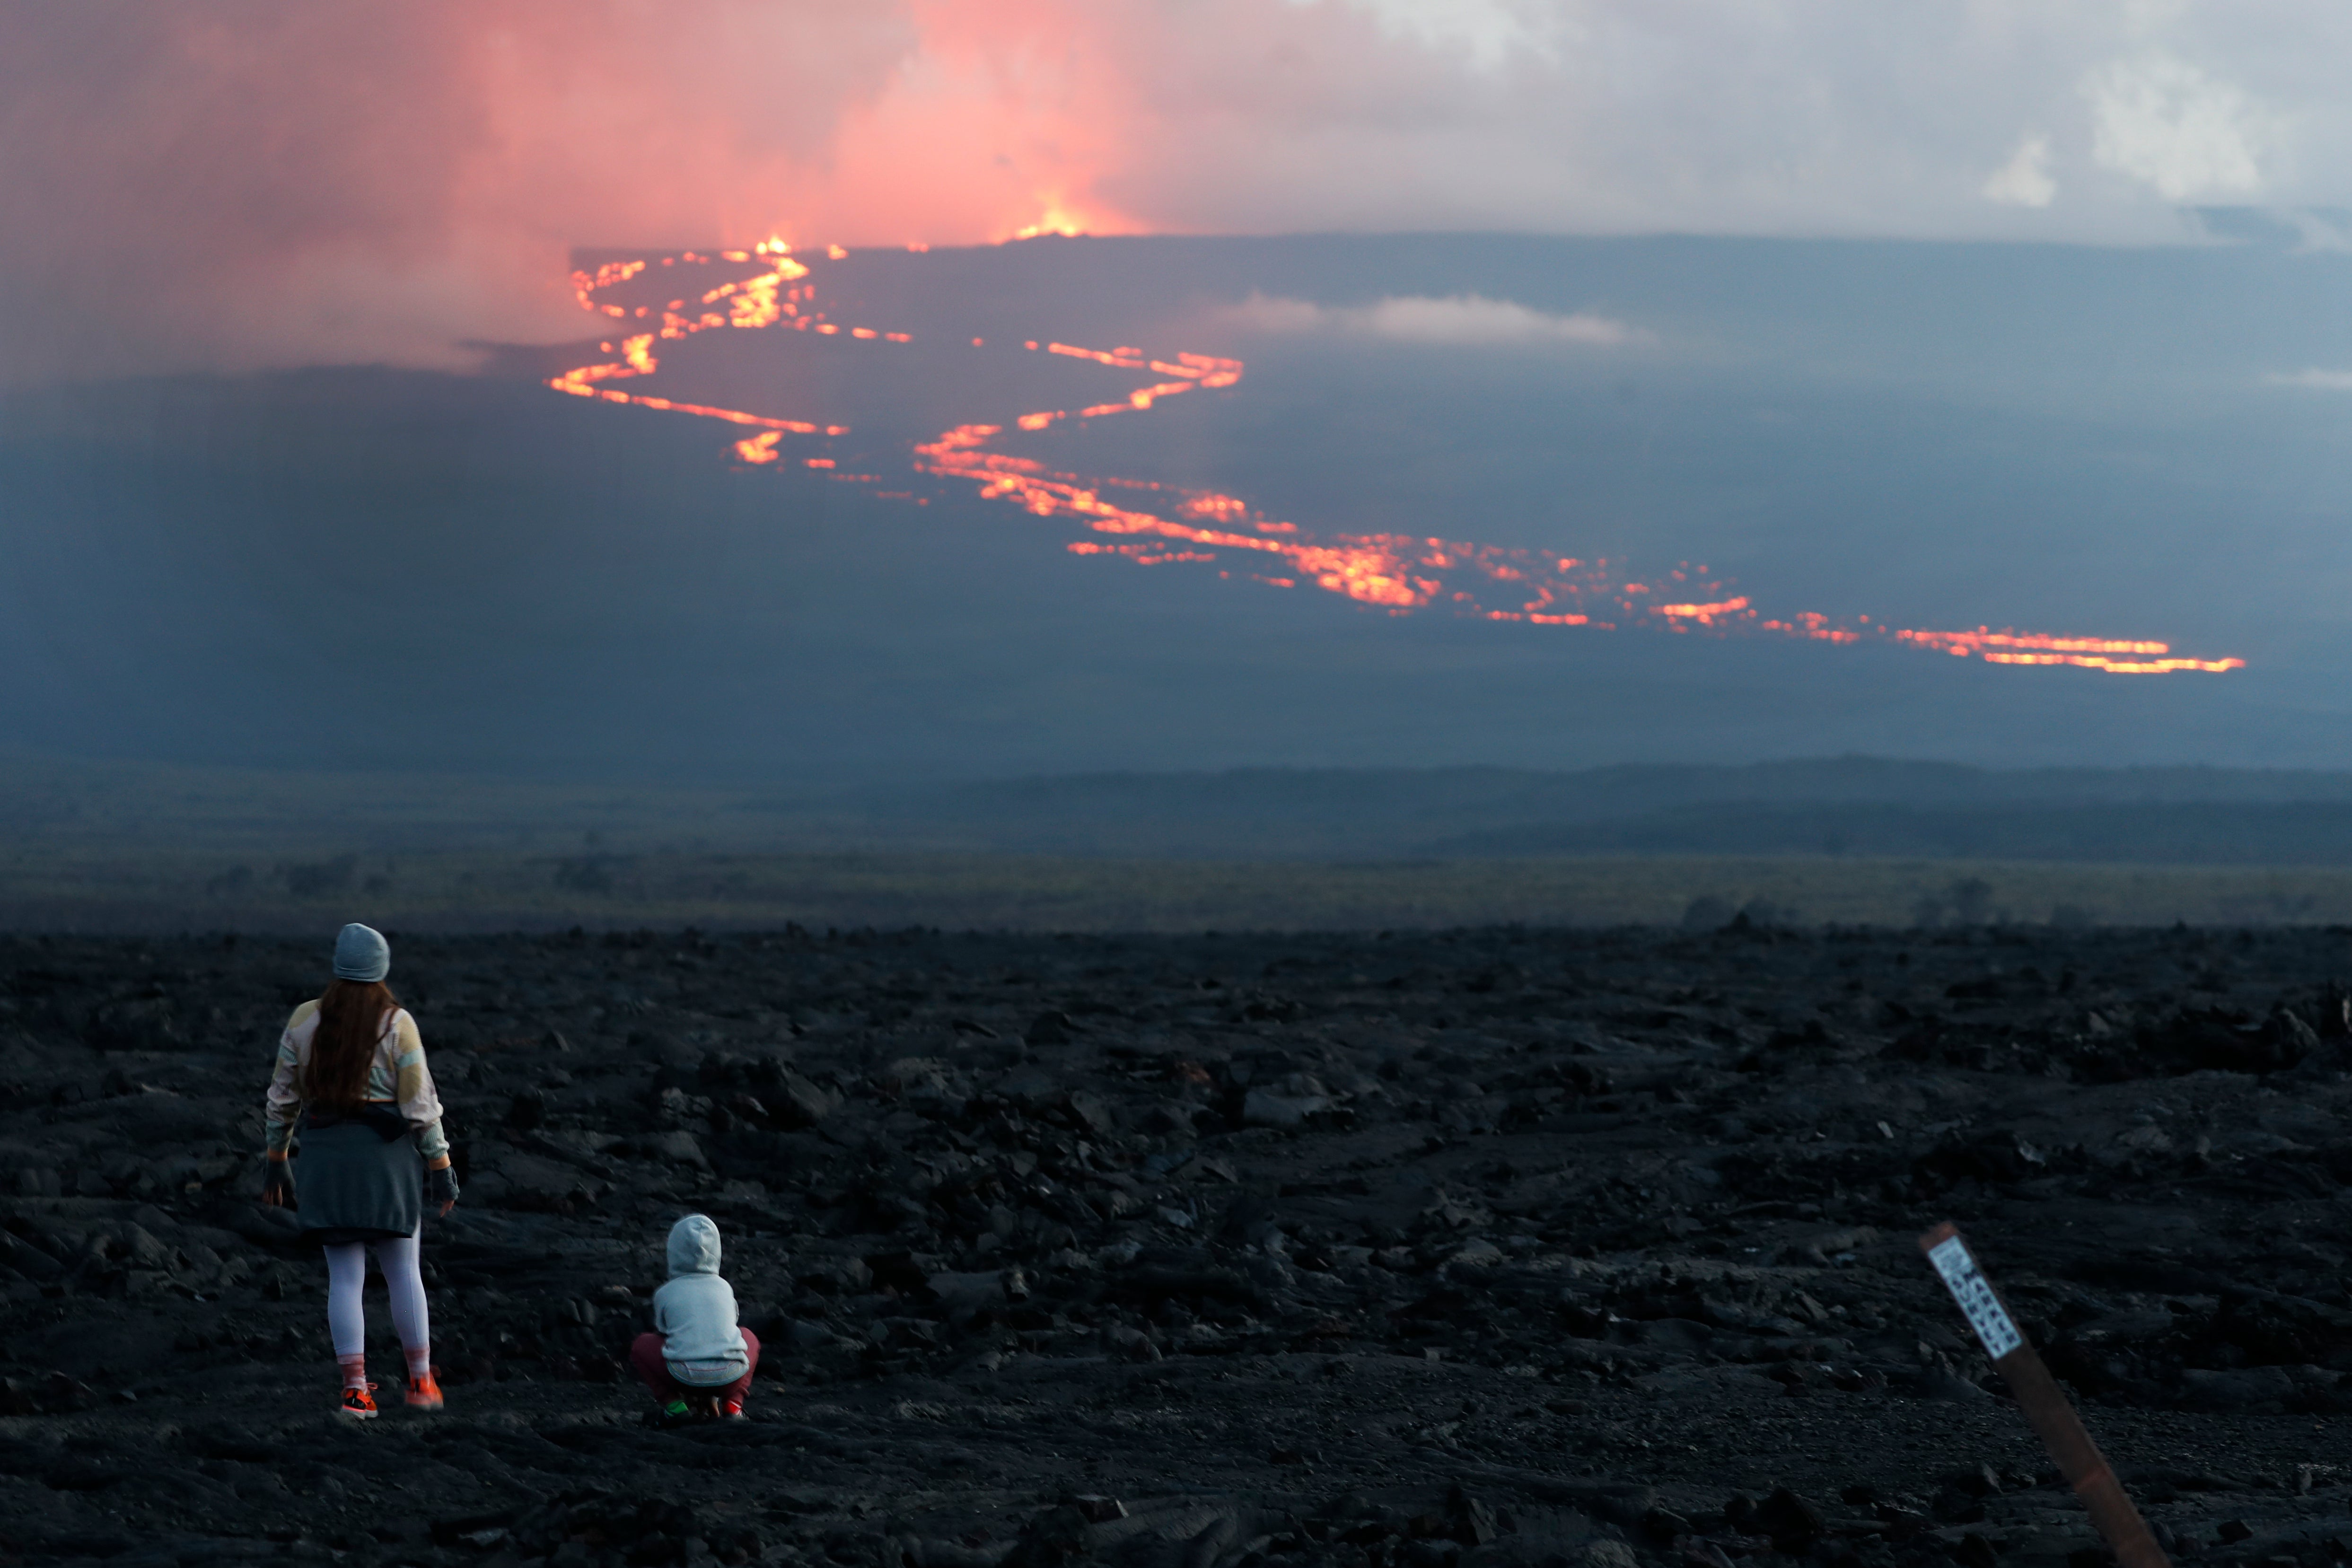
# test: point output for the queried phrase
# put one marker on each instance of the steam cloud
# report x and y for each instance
(269, 182)
(1470, 320)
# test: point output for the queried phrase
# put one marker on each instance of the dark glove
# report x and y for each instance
(440, 1187)
(277, 1185)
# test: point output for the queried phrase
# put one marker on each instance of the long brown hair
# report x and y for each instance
(352, 1019)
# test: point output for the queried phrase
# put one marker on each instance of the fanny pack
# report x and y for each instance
(385, 1121)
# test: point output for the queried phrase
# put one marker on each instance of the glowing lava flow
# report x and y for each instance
(1396, 572)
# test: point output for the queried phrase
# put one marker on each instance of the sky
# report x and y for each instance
(1932, 317)
(266, 182)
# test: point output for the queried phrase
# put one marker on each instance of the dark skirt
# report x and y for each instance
(353, 1185)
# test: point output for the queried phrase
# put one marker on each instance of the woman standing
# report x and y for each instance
(352, 1079)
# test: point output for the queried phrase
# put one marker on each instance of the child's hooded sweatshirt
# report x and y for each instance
(695, 1312)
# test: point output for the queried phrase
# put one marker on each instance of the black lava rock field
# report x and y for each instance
(1418, 1251)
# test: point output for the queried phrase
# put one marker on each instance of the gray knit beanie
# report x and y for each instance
(361, 954)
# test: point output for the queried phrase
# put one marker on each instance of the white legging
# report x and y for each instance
(347, 1272)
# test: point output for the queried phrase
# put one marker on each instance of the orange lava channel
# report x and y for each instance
(1167, 525)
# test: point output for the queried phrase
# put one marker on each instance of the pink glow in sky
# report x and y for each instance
(253, 182)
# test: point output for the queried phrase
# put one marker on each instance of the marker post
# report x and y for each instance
(2044, 1404)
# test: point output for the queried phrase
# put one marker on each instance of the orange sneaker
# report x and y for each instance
(359, 1403)
(423, 1393)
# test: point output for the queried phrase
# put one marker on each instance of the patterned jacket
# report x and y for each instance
(397, 1076)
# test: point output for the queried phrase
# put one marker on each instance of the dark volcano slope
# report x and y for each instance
(1442, 1252)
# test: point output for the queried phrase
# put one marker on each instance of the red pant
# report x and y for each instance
(653, 1371)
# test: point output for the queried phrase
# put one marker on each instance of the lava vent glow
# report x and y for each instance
(1152, 524)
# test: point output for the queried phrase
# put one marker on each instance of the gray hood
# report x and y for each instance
(693, 1246)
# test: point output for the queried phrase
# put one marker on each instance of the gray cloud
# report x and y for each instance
(269, 181)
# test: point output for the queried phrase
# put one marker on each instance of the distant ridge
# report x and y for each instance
(1846, 806)
(2169, 833)
(1850, 805)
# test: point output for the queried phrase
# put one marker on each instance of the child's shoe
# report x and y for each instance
(359, 1403)
(423, 1393)
(731, 1409)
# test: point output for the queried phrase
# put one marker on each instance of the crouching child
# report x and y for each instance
(698, 1360)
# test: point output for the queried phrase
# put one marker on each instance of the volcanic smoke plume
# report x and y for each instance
(258, 183)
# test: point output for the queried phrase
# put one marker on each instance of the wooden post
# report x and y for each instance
(2044, 1404)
